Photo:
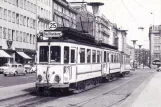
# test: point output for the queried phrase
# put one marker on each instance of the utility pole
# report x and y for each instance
(95, 8)
(134, 43)
(140, 59)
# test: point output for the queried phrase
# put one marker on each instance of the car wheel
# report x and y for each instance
(16, 73)
(5, 75)
(26, 71)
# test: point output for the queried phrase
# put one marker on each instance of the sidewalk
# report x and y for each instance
(147, 95)
(17, 90)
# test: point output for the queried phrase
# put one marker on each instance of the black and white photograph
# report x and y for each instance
(80, 53)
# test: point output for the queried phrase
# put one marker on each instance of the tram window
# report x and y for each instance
(72, 56)
(93, 56)
(105, 56)
(108, 57)
(88, 55)
(43, 55)
(111, 58)
(66, 54)
(98, 56)
(82, 55)
(55, 53)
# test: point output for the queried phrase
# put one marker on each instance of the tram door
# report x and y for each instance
(73, 61)
(104, 63)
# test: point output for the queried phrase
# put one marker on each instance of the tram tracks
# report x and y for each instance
(32, 100)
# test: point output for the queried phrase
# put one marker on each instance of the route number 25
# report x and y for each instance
(52, 25)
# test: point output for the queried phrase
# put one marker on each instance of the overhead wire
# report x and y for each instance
(129, 12)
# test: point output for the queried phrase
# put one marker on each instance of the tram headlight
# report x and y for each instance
(57, 78)
(39, 77)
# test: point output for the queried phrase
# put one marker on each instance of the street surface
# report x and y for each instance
(110, 94)
(16, 80)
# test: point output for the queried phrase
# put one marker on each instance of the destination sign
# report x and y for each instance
(52, 34)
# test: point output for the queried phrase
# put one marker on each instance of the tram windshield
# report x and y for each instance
(55, 54)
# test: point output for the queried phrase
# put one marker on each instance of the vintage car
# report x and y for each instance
(15, 69)
(4, 67)
(28, 68)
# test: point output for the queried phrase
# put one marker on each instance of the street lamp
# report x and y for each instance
(140, 54)
(95, 8)
(134, 43)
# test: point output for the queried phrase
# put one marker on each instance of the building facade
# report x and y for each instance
(155, 44)
(20, 21)
(64, 14)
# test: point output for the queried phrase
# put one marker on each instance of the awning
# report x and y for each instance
(4, 54)
(24, 55)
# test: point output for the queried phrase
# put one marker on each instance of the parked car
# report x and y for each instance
(4, 67)
(159, 69)
(33, 69)
(27, 68)
(15, 69)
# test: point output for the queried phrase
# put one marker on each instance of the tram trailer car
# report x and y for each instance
(76, 66)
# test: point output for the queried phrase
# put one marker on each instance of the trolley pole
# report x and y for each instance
(140, 59)
(134, 43)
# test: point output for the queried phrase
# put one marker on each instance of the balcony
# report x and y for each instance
(43, 19)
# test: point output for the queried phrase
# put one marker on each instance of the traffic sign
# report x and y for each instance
(52, 25)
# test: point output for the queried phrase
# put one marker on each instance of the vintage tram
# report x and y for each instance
(70, 59)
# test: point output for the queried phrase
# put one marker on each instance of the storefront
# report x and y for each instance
(4, 57)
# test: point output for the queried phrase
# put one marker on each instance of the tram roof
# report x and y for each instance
(76, 36)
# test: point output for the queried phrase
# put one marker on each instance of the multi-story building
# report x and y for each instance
(17, 30)
(104, 28)
(142, 56)
(20, 21)
(64, 14)
(155, 44)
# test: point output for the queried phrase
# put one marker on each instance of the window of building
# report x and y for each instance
(13, 35)
(9, 15)
(93, 56)
(9, 34)
(55, 54)
(30, 38)
(4, 33)
(28, 21)
(34, 39)
(1, 12)
(25, 4)
(24, 37)
(27, 38)
(21, 34)
(13, 17)
(17, 18)
(0, 32)
(17, 35)
(25, 20)
(82, 55)
(5, 14)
